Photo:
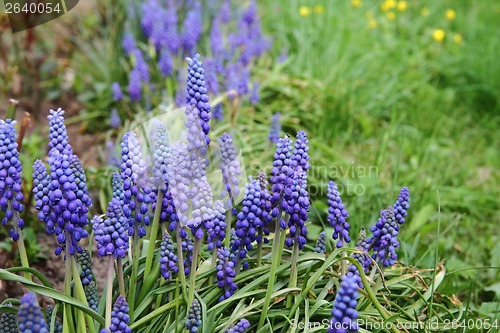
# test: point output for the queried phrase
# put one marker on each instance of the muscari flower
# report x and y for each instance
(344, 312)
(402, 205)
(58, 135)
(337, 215)
(321, 243)
(296, 204)
(179, 181)
(225, 273)
(86, 274)
(300, 154)
(117, 91)
(128, 42)
(265, 206)
(281, 175)
(217, 232)
(275, 129)
(231, 169)
(119, 317)
(91, 295)
(30, 316)
(203, 212)
(192, 28)
(117, 186)
(360, 257)
(165, 62)
(111, 234)
(48, 317)
(384, 241)
(216, 43)
(172, 39)
(241, 327)
(193, 323)
(8, 322)
(134, 85)
(11, 196)
(197, 93)
(168, 258)
(187, 250)
(114, 119)
(41, 182)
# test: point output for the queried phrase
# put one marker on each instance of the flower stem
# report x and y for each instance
(119, 276)
(213, 264)
(293, 271)
(227, 240)
(109, 291)
(180, 258)
(194, 264)
(22, 252)
(133, 276)
(153, 234)
(67, 291)
(272, 274)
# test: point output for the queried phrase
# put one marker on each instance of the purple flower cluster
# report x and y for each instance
(86, 274)
(30, 316)
(114, 119)
(231, 169)
(41, 183)
(384, 241)
(241, 327)
(197, 93)
(117, 186)
(301, 153)
(265, 206)
(58, 135)
(275, 128)
(296, 204)
(119, 317)
(203, 212)
(111, 234)
(91, 295)
(168, 258)
(217, 232)
(360, 257)
(225, 273)
(11, 196)
(337, 215)
(402, 205)
(344, 312)
(321, 243)
(117, 91)
(192, 28)
(282, 173)
(193, 323)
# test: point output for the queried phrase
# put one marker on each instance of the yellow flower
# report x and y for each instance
(319, 9)
(457, 38)
(424, 11)
(388, 5)
(450, 14)
(372, 24)
(304, 11)
(438, 35)
(402, 5)
(390, 16)
(356, 3)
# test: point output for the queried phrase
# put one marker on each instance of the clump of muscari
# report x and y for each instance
(30, 317)
(241, 327)
(337, 215)
(193, 323)
(91, 295)
(119, 317)
(111, 233)
(344, 312)
(168, 257)
(225, 274)
(320, 246)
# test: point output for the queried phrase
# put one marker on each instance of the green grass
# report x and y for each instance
(422, 114)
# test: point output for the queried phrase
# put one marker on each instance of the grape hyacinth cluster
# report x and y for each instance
(30, 317)
(58, 135)
(384, 241)
(337, 216)
(8, 322)
(117, 187)
(193, 323)
(119, 317)
(265, 206)
(241, 327)
(217, 232)
(231, 169)
(296, 204)
(320, 246)
(48, 317)
(402, 205)
(225, 273)
(275, 128)
(11, 196)
(86, 274)
(91, 295)
(282, 174)
(111, 234)
(197, 92)
(344, 312)
(168, 257)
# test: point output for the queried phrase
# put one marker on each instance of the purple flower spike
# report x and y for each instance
(301, 152)
(165, 63)
(217, 232)
(275, 129)
(344, 312)
(231, 169)
(241, 327)
(337, 215)
(361, 258)
(119, 317)
(117, 185)
(30, 316)
(41, 183)
(384, 241)
(282, 173)
(216, 42)
(203, 212)
(11, 196)
(117, 91)
(128, 42)
(193, 323)
(114, 119)
(296, 204)
(321, 243)
(168, 258)
(402, 205)
(111, 234)
(134, 85)
(225, 274)
(192, 28)
(58, 136)
(197, 93)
